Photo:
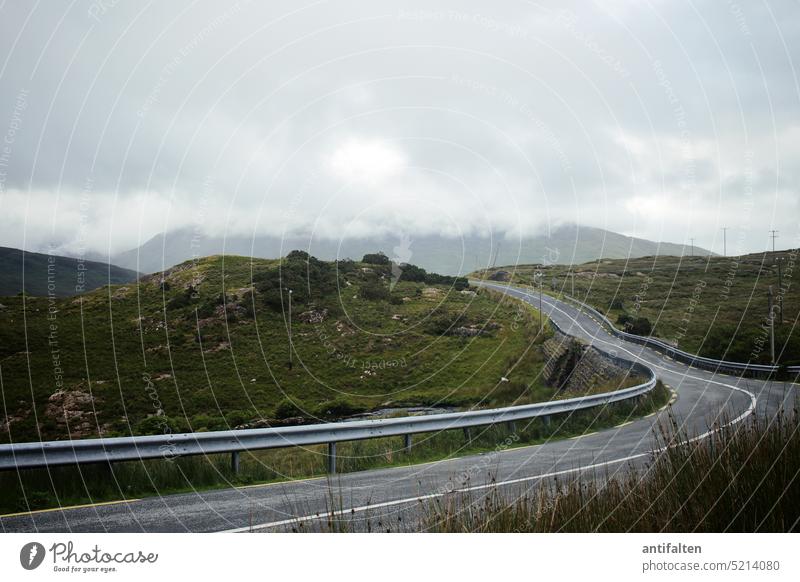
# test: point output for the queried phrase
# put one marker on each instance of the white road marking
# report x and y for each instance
(420, 498)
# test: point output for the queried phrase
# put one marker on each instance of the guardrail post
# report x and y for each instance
(546, 420)
(512, 427)
(407, 443)
(332, 458)
(235, 462)
(468, 435)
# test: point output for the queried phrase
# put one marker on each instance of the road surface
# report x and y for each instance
(394, 498)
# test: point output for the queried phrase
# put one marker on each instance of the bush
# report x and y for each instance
(288, 408)
(373, 291)
(338, 408)
(443, 322)
(413, 273)
(375, 259)
(310, 280)
(182, 299)
(159, 425)
(635, 325)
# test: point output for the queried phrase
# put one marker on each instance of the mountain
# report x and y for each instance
(452, 256)
(45, 274)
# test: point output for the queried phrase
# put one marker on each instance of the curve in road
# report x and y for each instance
(392, 498)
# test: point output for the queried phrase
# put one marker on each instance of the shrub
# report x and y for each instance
(375, 259)
(159, 425)
(373, 291)
(635, 325)
(310, 280)
(289, 408)
(338, 408)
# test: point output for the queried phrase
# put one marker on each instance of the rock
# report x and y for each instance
(468, 293)
(313, 316)
(73, 410)
(500, 276)
(343, 328)
(121, 293)
(431, 292)
(6, 422)
(218, 348)
(466, 331)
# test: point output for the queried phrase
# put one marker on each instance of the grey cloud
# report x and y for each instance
(509, 117)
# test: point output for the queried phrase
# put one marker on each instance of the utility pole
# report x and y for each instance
(724, 241)
(291, 363)
(779, 260)
(692, 251)
(541, 314)
(572, 277)
(773, 234)
(771, 327)
(539, 278)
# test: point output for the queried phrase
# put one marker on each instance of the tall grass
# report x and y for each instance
(742, 478)
(63, 486)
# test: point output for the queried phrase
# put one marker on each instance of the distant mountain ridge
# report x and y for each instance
(44, 274)
(450, 256)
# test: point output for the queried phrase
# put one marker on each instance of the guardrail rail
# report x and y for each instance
(110, 450)
(758, 370)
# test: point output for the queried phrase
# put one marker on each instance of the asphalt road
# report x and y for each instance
(394, 498)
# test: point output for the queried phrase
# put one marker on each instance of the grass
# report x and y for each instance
(64, 486)
(714, 306)
(743, 478)
(204, 347)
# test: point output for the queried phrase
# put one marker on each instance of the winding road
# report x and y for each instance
(393, 498)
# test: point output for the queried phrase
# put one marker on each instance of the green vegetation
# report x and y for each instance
(63, 486)
(714, 306)
(740, 479)
(55, 275)
(204, 346)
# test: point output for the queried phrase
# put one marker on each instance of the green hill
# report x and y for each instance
(204, 346)
(714, 306)
(45, 275)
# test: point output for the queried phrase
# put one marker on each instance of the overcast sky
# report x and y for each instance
(666, 120)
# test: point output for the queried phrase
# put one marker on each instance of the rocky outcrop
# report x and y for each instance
(500, 276)
(313, 316)
(576, 367)
(73, 411)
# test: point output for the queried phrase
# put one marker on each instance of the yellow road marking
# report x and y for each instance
(85, 505)
(287, 482)
(624, 424)
(580, 436)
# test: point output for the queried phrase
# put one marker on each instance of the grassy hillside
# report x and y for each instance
(44, 275)
(204, 346)
(715, 306)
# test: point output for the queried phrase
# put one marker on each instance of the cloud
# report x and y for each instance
(663, 120)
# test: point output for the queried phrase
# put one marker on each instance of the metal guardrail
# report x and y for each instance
(110, 450)
(681, 356)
